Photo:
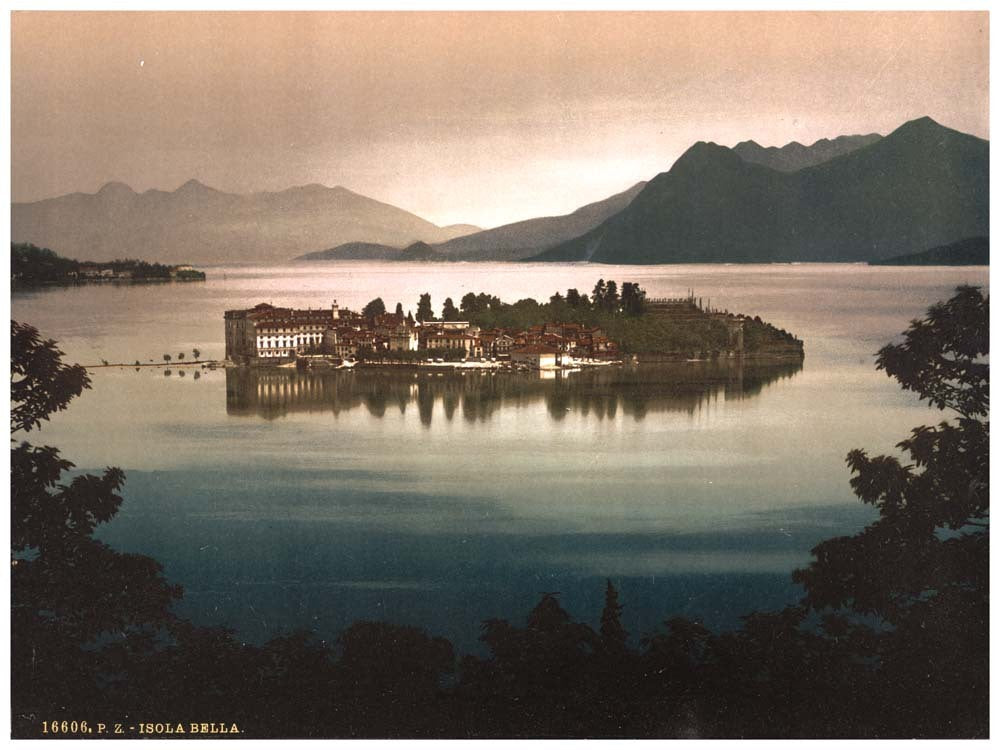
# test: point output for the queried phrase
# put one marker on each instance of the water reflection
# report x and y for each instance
(602, 393)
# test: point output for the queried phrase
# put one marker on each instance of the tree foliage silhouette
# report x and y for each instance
(424, 310)
(449, 311)
(68, 590)
(923, 566)
(373, 308)
(903, 560)
(40, 383)
(613, 635)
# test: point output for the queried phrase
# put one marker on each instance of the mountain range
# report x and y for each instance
(922, 186)
(198, 224)
(850, 198)
(794, 156)
(508, 242)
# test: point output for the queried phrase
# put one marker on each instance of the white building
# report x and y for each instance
(404, 340)
(270, 332)
(536, 356)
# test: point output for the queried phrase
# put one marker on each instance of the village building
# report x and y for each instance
(176, 271)
(404, 339)
(536, 357)
(339, 343)
(387, 323)
(453, 325)
(451, 340)
(94, 271)
(496, 343)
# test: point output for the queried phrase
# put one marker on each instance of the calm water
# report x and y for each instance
(282, 501)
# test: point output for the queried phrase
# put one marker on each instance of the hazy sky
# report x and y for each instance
(462, 117)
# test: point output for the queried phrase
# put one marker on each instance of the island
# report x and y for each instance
(571, 330)
(418, 251)
(32, 266)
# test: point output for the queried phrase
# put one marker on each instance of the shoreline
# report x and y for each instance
(21, 286)
(506, 366)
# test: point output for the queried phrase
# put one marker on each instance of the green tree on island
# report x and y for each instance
(597, 296)
(610, 298)
(424, 311)
(633, 300)
(373, 308)
(448, 310)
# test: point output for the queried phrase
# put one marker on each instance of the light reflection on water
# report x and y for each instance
(283, 500)
(476, 395)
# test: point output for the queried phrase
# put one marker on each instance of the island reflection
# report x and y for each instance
(599, 392)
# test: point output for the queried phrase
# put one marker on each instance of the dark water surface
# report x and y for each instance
(284, 501)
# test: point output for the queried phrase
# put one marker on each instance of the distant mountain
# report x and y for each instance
(923, 185)
(508, 242)
(974, 251)
(460, 230)
(794, 156)
(199, 224)
(524, 238)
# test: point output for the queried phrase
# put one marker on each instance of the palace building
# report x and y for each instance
(269, 332)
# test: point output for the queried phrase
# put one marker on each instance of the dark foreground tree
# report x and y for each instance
(922, 569)
(390, 680)
(69, 592)
(538, 681)
(613, 635)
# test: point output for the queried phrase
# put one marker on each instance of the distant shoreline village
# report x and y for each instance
(269, 336)
(33, 266)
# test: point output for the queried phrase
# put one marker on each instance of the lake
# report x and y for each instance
(283, 501)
